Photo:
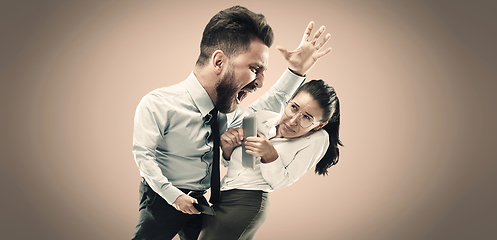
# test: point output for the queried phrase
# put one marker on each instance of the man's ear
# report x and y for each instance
(321, 125)
(218, 61)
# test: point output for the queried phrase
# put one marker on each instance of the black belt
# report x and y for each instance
(191, 193)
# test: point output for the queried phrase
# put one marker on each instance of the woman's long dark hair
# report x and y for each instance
(327, 99)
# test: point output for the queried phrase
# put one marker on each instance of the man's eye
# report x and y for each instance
(295, 108)
(254, 70)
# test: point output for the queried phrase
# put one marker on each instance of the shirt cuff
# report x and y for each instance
(171, 194)
(273, 166)
(289, 82)
(224, 162)
(296, 73)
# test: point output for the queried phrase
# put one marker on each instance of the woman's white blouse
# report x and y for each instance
(296, 157)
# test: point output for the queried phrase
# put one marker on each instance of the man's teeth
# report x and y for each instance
(241, 94)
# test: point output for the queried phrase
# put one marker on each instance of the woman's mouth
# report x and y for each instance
(288, 128)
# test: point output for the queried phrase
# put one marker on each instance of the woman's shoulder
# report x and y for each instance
(321, 133)
(317, 138)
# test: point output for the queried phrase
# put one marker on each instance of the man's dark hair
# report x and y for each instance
(231, 30)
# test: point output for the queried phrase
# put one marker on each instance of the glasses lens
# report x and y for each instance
(291, 110)
(305, 122)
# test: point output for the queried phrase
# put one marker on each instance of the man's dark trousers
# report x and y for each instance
(159, 220)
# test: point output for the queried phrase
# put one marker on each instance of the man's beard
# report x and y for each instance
(226, 93)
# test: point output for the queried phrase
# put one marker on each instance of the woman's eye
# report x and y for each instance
(294, 108)
(308, 118)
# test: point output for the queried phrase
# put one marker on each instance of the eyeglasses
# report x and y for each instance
(305, 121)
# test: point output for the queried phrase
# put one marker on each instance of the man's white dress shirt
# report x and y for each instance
(171, 139)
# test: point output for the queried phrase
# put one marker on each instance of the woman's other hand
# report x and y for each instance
(260, 146)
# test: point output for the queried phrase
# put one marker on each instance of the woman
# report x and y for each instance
(288, 145)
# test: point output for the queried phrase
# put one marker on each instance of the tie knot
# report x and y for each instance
(212, 115)
(214, 112)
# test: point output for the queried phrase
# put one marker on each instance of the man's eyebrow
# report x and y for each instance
(259, 66)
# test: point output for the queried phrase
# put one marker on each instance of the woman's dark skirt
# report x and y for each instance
(239, 215)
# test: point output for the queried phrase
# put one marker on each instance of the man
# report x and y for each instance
(172, 141)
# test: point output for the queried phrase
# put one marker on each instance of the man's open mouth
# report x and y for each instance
(249, 88)
(241, 95)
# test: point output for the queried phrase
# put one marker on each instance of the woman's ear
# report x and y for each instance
(319, 126)
(218, 61)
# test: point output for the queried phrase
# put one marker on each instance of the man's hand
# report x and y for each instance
(231, 139)
(302, 59)
(260, 146)
(184, 203)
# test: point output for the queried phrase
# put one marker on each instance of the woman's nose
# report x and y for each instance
(295, 119)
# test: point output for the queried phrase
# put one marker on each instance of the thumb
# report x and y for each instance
(283, 51)
(259, 134)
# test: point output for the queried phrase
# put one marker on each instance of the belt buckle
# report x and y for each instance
(196, 194)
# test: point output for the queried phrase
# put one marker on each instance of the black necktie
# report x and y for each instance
(215, 185)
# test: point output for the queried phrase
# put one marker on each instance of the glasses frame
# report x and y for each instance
(300, 117)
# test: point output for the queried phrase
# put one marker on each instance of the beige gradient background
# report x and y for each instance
(416, 80)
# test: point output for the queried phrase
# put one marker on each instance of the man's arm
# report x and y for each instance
(149, 126)
(299, 62)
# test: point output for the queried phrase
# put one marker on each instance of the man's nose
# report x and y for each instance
(259, 81)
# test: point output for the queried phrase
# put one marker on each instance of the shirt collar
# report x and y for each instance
(199, 95)
(271, 123)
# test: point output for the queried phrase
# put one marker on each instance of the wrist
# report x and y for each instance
(270, 158)
(227, 154)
